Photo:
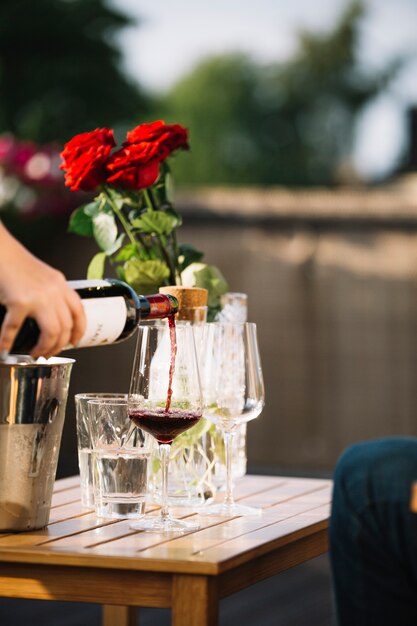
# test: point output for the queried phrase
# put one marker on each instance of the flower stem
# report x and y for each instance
(168, 261)
(121, 217)
(176, 255)
(150, 200)
(143, 242)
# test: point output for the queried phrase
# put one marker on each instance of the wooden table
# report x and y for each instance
(81, 558)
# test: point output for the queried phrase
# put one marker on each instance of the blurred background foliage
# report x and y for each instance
(60, 69)
(285, 123)
(250, 123)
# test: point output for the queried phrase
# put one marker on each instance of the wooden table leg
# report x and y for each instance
(194, 601)
(119, 615)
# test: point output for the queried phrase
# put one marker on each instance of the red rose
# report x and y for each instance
(135, 166)
(84, 159)
(168, 137)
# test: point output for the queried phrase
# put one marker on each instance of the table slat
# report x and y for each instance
(290, 505)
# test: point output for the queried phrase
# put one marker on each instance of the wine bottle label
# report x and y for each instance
(84, 284)
(106, 319)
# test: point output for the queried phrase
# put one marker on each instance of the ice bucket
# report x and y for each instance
(33, 396)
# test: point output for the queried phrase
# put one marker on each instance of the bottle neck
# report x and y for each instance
(157, 306)
(152, 307)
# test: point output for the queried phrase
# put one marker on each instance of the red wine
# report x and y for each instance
(112, 308)
(164, 425)
(173, 339)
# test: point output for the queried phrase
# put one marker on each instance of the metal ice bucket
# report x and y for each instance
(33, 396)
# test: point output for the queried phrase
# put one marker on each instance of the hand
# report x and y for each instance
(31, 288)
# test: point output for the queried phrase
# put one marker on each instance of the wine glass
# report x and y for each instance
(233, 393)
(165, 400)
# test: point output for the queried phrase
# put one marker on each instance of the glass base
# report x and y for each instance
(120, 510)
(229, 510)
(182, 500)
(164, 525)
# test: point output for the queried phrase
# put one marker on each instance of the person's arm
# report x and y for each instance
(31, 288)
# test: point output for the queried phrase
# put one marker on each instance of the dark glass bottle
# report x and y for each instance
(112, 308)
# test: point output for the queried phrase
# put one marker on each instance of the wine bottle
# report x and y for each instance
(112, 309)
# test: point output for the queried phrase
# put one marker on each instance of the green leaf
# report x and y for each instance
(187, 255)
(115, 196)
(120, 273)
(105, 230)
(145, 276)
(192, 436)
(96, 268)
(216, 443)
(92, 208)
(132, 198)
(169, 187)
(164, 185)
(155, 222)
(80, 223)
(127, 252)
(133, 214)
(209, 277)
(117, 244)
(176, 217)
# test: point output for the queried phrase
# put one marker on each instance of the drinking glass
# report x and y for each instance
(84, 444)
(165, 401)
(233, 392)
(121, 457)
(235, 311)
(190, 467)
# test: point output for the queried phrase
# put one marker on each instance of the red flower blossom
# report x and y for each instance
(168, 137)
(135, 166)
(84, 159)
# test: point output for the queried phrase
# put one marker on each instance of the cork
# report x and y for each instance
(192, 301)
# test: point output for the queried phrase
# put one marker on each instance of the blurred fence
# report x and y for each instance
(332, 285)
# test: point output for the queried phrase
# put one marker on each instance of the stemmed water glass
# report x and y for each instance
(233, 393)
(165, 400)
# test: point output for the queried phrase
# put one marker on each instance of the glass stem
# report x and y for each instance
(228, 444)
(164, 452)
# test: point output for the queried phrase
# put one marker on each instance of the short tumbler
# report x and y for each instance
(84, 442)
(121, 453)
